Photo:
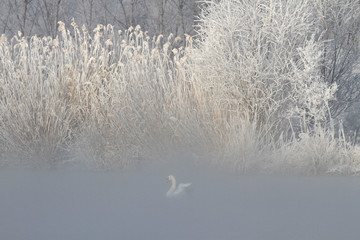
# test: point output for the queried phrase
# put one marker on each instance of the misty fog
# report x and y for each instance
(132, 204)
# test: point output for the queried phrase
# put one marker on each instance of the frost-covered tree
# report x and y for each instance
(262, 60)
(155, 16)
(340, 25)
(262, 64)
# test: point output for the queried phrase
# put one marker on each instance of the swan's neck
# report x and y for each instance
(173, 185)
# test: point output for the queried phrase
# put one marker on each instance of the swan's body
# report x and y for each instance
(175, 191)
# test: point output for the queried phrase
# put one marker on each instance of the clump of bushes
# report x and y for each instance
(247, 93)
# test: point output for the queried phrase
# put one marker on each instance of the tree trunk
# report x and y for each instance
(161, 16)
(181, 20)
(196, 9)
(23, 22)
(56, 19)
(131, 14)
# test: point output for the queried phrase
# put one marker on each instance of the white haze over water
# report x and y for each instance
(132, 205)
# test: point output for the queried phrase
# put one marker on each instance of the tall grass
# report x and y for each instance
(111, 97)
(245, 94)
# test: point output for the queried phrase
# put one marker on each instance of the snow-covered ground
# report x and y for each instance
(133, 205)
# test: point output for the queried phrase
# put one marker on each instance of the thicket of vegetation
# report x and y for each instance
(253, 91)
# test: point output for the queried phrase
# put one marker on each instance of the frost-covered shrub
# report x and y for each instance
(260, 62)
(312, 154)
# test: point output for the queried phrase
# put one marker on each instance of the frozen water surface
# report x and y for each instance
(133, 205)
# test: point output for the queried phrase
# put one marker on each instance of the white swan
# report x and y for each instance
(173, 191)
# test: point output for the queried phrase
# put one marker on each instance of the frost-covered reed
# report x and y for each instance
(247, 93)
(108, 96)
